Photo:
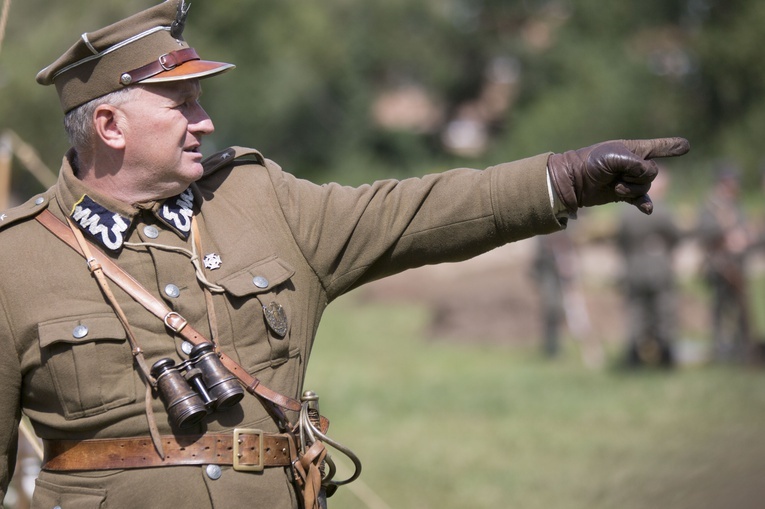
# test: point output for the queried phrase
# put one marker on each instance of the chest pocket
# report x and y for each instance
(265, 288)
(90, 362)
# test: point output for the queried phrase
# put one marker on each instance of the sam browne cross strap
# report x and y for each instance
(174, 321)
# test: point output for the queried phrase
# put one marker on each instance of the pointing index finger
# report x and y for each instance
(658, 147)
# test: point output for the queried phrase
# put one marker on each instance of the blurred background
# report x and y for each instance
(516, 379)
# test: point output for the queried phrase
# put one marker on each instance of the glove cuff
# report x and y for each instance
(563, 185)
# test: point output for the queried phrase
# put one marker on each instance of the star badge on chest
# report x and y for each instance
(212, 261)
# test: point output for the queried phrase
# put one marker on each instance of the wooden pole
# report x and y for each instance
(4, 20)
(31, 161)
(6, 150)
(28, 433)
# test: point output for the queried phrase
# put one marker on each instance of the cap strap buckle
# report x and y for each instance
(168, 61)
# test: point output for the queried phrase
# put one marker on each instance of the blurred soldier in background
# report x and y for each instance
(725, 238)
(551, 271)
(555, 270)
(647, 245)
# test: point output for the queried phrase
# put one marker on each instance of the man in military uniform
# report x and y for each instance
(231, 251)
(726, 240)
(552, 271)
(648, 245)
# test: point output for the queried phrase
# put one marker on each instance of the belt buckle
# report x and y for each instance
(258, 467)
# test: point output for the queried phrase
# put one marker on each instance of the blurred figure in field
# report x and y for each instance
(552, 270)
(724, 235)
(562, 302)
(647, 245)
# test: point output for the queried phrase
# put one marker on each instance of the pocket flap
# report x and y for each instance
(259, 277)
(80, 329)
(47, 494)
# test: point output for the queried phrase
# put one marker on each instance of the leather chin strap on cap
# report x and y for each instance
(166, 62)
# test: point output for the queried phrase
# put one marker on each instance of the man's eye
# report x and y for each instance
(186, 105)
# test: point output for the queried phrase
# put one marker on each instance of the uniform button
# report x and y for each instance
(151, 231)
(40, 200)
(213, 472)
(186, 347)
(80, 331)
(260, 282)
(172, 291)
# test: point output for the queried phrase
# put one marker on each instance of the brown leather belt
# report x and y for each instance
(245, 449)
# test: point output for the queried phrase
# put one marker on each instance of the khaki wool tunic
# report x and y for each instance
(311, 243)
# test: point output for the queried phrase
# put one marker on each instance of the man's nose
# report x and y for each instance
(200, 122)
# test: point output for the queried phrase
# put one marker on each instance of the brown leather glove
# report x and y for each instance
(619, 170)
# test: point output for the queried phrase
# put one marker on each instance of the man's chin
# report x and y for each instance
(193, 171)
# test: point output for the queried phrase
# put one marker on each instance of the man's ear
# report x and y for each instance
(108, 123)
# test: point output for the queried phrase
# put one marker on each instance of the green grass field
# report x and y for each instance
(460, 425)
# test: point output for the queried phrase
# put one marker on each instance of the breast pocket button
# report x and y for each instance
(80, 331)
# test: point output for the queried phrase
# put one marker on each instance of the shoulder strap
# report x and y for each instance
(226, 156)
(172, 320)
(25, 211)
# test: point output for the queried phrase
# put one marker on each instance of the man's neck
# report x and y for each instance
(108, 178)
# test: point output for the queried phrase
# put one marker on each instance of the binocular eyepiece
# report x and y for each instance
(196, 387)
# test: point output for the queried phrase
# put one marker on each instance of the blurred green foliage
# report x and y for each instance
(311, 77)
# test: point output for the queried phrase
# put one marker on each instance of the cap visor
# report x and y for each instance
(190, 70)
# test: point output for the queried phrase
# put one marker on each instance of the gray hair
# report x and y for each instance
(79, 121)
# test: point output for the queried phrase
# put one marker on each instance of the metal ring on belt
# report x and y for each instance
(246, 449)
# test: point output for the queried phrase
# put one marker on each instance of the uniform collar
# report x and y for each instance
(108, 221)
(175, 213)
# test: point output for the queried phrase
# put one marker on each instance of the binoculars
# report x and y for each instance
(196, 387)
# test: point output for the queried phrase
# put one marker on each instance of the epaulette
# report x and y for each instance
(220, 159)
(26, 210)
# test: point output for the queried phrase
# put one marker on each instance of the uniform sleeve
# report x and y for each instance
(10, 412)
(351, 236)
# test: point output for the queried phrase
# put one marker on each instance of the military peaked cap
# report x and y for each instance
(147, 47)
